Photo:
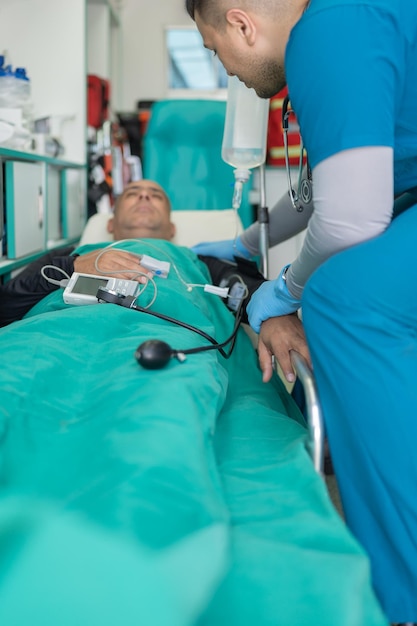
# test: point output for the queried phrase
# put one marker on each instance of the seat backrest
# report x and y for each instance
(191, 227)
(182, 152)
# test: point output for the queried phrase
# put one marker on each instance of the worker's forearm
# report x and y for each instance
(284, 223)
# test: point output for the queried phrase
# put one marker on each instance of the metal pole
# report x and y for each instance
(263, 221)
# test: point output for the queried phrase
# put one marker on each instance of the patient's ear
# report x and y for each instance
(110, 225)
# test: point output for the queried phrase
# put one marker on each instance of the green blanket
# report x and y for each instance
(177, 497)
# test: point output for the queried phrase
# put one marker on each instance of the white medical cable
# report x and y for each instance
(59, 283)
(188, 286)
(242, 282)
(113, 245)
(155, 292)
(142, 288)
(63, 283)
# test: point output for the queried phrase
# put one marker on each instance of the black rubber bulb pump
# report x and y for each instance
(153, 354)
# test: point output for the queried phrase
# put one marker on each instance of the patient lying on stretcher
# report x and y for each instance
(184, 496)
(141, 212)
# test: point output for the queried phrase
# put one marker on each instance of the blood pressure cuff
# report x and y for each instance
(231, 275)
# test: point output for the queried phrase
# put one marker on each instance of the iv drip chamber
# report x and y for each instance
(241, 176)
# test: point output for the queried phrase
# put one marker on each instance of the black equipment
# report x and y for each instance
(155, 354)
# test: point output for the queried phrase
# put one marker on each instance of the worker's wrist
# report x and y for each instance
(282, 291)
(271, 299)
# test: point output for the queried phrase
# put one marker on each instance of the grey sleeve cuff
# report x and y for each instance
(353, 201)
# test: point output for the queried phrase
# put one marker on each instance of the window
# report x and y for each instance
(191, 67)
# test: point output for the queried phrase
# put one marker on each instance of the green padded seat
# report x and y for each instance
(182, 152)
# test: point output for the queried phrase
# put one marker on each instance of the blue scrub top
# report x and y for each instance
(351, 69)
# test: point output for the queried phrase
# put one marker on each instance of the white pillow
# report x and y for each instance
(196, 226)
(192, 227)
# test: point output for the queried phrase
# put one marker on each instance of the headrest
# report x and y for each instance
(192, 227)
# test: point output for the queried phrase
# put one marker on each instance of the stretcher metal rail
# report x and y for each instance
(314, 414)
(301, 367)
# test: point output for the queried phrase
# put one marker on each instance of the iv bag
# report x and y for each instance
(245, 129)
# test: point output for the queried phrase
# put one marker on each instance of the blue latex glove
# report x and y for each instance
(271, 299)
(226, 249)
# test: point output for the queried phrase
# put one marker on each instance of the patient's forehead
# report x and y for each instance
(145, 185)
(148, 186)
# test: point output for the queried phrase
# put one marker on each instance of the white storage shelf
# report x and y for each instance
(44, 206)
(59, 42)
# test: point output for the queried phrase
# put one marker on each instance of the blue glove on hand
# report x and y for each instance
(226, 249)
(271, 299)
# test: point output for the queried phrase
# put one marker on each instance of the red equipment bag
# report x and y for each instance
(275, 141)
(98, 100)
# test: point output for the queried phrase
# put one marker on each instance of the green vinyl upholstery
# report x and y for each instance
(182, 152)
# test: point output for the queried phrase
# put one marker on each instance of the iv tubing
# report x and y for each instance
(237, 195)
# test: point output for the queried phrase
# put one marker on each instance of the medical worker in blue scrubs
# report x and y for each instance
(351, 71)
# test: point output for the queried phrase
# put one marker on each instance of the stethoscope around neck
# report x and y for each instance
(303, 193)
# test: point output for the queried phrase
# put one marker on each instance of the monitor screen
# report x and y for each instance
(88, 285)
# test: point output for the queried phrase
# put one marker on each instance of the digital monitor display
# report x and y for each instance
(88, 285)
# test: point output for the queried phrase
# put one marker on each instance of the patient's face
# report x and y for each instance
(142, 211)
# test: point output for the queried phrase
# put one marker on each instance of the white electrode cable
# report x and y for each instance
(64, 283)
(58, 283)
(142, 287)
(208, 288)
(188, 286)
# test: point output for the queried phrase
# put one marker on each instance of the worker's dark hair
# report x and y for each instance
(210, 11)
(190, 7)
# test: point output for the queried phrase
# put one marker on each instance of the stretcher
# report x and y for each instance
(184, 496)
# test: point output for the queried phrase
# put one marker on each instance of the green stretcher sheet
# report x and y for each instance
(177, 497)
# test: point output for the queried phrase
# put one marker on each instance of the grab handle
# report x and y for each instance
(314, 413)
